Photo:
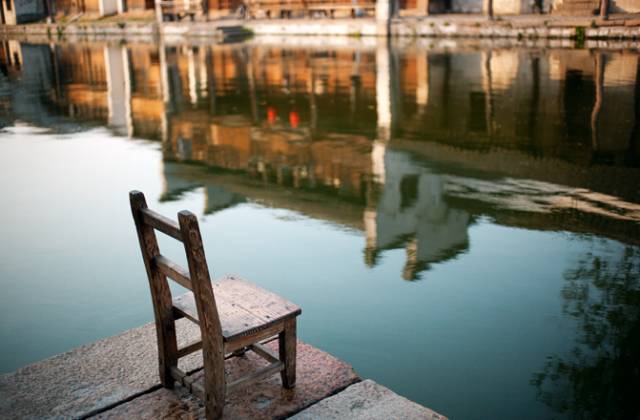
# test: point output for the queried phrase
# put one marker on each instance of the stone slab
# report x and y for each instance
(117, 377)
(163, 403)
(319, 375)
(91, 377)
(367, 400)
(327, 27)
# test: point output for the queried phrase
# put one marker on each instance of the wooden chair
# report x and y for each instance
(234, 315)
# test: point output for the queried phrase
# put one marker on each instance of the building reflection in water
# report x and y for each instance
(409, 145)
(412, 212)
(392, 133)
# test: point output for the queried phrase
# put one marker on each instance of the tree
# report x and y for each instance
(601, 378)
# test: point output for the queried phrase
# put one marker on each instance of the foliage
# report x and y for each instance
(602, 378)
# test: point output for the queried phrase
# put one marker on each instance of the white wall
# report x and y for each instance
(628, 6)
(108, 7)
(119, 94)
(9, 16)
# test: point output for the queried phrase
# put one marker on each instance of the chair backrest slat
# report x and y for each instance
(160, 292)
(161, 223)
(210, 328)
(159, 267)
(197, 279)
(173, 271)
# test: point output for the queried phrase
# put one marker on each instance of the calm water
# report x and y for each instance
(460, 223)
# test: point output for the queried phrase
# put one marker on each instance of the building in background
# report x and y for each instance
(13, 12)
(24, 11)
(516, 7)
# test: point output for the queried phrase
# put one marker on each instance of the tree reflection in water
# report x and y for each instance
(601, 378)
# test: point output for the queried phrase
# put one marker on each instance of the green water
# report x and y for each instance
(458, 222)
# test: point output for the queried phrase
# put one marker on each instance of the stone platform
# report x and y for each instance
(117, 377)
(618, 28)
(364, 401)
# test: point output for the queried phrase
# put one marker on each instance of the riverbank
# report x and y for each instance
(117, 378)
(624, 27)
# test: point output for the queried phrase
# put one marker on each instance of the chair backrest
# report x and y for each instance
(159, 267)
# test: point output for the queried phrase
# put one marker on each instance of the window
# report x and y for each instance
(408, 190)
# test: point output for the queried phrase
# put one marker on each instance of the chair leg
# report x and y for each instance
(214, 385)
(167, 349)
(213, 404)
(287, 349)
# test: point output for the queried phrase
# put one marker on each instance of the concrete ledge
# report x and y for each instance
(222, 30)
(344, 27)
(96, 28)
(530, 27)
(482, 29)
(319, 375)
(118, 378)
(91, 377)
(367, 400)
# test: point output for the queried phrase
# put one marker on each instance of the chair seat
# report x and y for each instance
(243, 307)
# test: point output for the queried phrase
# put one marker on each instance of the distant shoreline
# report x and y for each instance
(518, 28)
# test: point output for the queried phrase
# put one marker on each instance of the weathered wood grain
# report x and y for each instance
(260, 302)
(173, 271)
(264, 352)
(212, 340)
(243, 307)
(287, 350)
(233, 318)
(161, 223)
(232, 313)
(255, 376)
(160, 292)
(190, 348)
(254, 337)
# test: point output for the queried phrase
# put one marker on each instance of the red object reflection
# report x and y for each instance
(271, 115)
(294, 119)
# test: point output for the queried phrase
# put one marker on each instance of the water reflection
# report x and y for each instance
(391, 132)
(410, 146)
(280, 126)
(600, 379)
(577, 105)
